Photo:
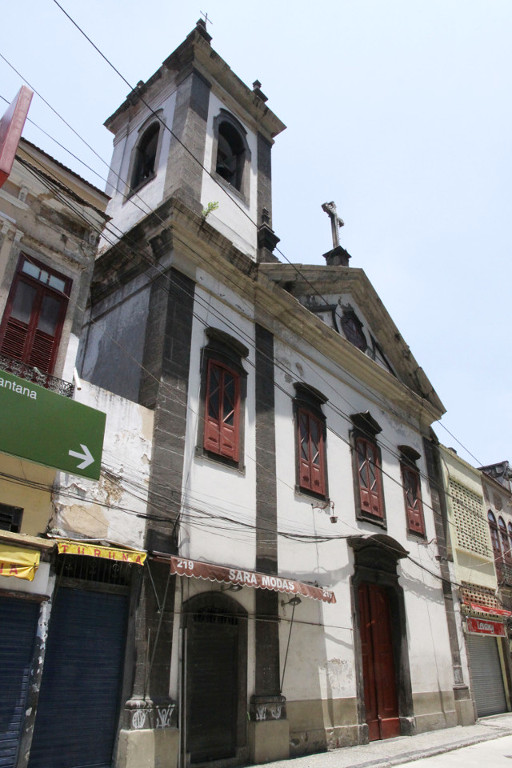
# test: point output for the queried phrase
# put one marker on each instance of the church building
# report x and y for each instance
(292, 599)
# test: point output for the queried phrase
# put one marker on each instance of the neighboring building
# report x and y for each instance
(293, 598)
(475, 534)
(498, 502)
(63, 616)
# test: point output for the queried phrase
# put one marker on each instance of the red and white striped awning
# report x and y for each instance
(225, 575)
(486, 609)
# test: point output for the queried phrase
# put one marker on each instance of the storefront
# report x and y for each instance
(78, 707)
(486, 644)
(21, 598)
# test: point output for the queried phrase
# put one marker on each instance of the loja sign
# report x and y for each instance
(486, 627)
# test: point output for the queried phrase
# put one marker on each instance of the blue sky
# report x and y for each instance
(399, 110)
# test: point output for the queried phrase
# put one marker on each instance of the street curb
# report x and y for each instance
(420, 754)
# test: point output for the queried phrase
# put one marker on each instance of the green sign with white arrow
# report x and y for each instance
(49, 429)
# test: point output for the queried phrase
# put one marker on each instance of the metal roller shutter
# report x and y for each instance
(18, 622)
(78, 706)
(486, 675)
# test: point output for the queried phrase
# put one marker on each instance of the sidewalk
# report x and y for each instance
(384, 754)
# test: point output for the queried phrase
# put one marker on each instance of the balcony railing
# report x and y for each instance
(34, 375)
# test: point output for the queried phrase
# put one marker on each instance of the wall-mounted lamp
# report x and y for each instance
(295, 600)
(328, 507)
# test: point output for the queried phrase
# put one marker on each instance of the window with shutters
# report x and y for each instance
(222, 411)
(412, 490)
(367, 469)
(36, 308)
(495, 538)
(223, 395)
(311, 434)
(505, 544)
(10, 518)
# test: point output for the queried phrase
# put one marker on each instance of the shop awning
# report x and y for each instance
(18, 562)
(486, 609)
(225, 575)
(107, 553)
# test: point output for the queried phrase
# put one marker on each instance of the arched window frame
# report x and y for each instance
(495, 538)
(138, 179)
(241, 184)
(411, 482)
(310, 442)
(367, 469)
(222, 370)
(505, 543)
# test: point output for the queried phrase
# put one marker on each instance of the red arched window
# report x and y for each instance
(495, 539)
(505, 543)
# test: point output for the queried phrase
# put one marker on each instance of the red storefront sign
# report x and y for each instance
(486, 627)
(224, 575)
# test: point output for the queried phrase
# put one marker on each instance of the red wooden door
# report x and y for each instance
(380, 695)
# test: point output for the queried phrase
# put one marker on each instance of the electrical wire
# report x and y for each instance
(194, 158)
(331, 430)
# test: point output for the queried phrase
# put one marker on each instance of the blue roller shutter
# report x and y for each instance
(18, 623)
(78, 708)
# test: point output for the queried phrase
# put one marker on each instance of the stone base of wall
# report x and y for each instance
(269, 740)
(319, 725)
(433, 710)
(148, 748)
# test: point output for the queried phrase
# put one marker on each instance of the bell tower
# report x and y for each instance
(195, 132)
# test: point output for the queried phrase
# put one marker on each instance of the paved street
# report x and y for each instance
(488, 741)
(497, 753)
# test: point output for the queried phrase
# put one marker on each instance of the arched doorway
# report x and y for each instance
(215, 678)
(385, 694)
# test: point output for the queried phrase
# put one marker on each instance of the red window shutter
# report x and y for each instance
(369, 477)
(505, 545)
(34, 317)
(15, 336)
(222, 411)
(304, 449)
(413, 504)
(311, 452)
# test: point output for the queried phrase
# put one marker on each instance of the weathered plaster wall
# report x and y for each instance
(112, 344)
(28, 486)
(113, 508)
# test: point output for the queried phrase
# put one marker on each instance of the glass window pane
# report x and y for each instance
(30, 269)
(57, 283)
(23, 302)
(49, 315)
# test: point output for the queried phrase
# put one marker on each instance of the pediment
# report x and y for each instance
(344, 299)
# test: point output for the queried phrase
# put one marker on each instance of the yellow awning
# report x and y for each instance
(107, 553)
(15, 561)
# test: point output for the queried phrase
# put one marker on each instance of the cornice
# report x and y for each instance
(195, 52)
(196, 244)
